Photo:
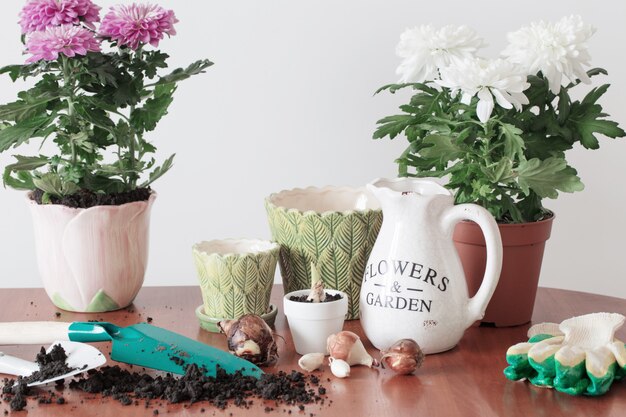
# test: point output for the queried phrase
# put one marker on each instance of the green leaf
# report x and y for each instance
(513, 141)
(180, 74)
(392, 126)
(146, 118)
(530, 208)
(564, 107)
(23, 180)
(103, 69)
(122, 134)
(154, 60)
(594, 95)
(499, 172)
(95, 116)
(542, 147)
(14, 71)
(443, 148)
(22, 110)
(591, 73)
(27, 163)
(127, 92)
(547, 177)
(588, 120)
(416, 86)
(103, 183)
(159, 171)
(52, 184)
(22, 131)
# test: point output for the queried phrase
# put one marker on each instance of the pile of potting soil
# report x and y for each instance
(304, 298)
(50, 364)
(87, 199)
(221, 391)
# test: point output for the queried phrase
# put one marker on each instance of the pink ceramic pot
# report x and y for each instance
(92, 260)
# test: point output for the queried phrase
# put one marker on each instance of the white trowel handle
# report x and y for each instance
(33, 332)
(11, 365)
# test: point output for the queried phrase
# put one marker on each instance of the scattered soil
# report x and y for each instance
(194, 386)
(50, 364)
(222, 391)
(86, 198)
(303, 298)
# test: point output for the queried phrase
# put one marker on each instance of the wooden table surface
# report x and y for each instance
(466, 381)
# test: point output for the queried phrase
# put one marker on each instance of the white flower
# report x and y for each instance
(487, 79)
(555, 49)
(424, 50)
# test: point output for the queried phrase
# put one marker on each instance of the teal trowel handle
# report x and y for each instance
(80, 331)
(43, 332)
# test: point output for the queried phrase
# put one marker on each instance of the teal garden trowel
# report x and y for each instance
(139, 344)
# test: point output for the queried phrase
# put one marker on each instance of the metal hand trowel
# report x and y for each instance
(139, 344)
(80, 356)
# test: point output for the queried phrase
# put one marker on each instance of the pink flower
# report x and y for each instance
(40, 14)
(136, 24)
(69, 40)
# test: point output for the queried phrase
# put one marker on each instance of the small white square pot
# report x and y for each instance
(312, 323)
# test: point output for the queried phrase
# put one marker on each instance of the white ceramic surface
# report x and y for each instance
(311, 323)
(414, 285)
(93, 259)
(80, 356)
(224, 247)
(325, 199)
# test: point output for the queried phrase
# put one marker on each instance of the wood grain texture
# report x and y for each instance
(466, 381)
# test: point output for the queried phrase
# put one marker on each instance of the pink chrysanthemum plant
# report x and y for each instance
(97, 95)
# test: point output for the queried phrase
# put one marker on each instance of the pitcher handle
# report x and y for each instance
(478, 304)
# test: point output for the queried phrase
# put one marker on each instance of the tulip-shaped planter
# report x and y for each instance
(93, 259)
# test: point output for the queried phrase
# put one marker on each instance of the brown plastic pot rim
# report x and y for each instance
(513, 234)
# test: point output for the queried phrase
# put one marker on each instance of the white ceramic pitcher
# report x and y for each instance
(414, 285)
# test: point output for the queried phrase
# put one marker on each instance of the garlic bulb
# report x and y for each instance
(347, 346)
(339, 368)
(311, 361)
(403, 357)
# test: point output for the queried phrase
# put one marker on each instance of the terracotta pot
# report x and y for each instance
(513, 301)
(92, 260)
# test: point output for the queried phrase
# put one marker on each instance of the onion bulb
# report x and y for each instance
(250, 338)
(403, 357)
(347, 346)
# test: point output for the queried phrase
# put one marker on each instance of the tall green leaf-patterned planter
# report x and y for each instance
(236, 278)
(94, 259)
(333, 227)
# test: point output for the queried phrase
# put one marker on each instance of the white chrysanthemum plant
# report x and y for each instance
(498, 128)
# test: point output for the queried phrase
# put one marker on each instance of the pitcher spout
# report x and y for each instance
(398, 186)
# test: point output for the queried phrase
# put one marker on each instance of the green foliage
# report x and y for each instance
(97, 109)
(511, 162)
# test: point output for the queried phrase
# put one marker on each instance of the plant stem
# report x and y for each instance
(131, 154)
(69, 82)
(132, 160)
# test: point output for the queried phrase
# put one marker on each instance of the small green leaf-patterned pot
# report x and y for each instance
(333, 227)
(236, 276)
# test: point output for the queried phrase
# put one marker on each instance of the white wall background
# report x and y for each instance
(289, 103)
